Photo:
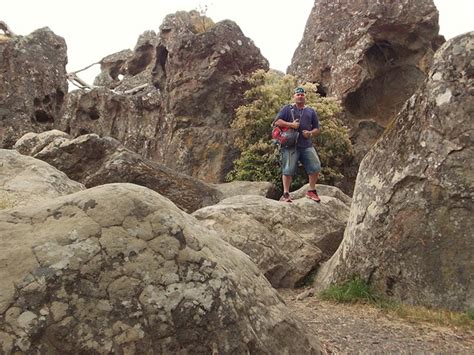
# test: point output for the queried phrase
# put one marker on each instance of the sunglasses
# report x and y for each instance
(299, 94)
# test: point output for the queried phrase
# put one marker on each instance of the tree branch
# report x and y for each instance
(76, 81)
(4, 27)
(78, 71)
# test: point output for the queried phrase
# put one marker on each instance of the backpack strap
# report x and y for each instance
(292, 115)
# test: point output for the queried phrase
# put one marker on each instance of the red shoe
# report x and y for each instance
(313, 195)
(285, 197)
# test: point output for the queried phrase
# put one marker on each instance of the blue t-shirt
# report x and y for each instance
(308, 121)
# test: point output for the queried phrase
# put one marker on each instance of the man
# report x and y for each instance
(305, 120)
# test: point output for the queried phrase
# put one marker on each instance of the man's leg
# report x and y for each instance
(288, 167)
(312, 165)
(313, 179)
(286, 179)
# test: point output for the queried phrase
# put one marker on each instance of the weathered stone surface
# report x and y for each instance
(26, 181)
(410, 227)
(323, 190)
(234, 188)
(286, 241)
(32, 84)
(190, 78)
(119, 269)
(32, 143)
(94, 161)
(113, 68)
(371, 54)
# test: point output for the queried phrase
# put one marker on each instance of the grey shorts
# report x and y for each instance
(308, 157)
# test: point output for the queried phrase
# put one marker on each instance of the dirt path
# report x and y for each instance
(352, 329)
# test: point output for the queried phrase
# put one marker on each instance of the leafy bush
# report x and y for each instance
(470, 313)
(352, 291)
(260, 158)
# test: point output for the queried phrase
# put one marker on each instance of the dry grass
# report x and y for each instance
(435, 316)
(4, 38)
(357, 291)
(363, 327)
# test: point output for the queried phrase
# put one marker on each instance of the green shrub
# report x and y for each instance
(352, 291)
(259, 160)
(470, 313)
(357, 290)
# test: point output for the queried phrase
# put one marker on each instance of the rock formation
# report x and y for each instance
(25, 181)
(373, 55)
(174, 97)
(235, 188)
(94, 161)
(410, 226)
(323, 190)
(32, 83)
(119, 269)
(286, 241)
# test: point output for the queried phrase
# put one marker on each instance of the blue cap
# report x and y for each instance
(299, 90)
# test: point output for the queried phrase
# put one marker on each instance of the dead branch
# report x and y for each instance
(78, 71)
(76, 81)
(4, 27)
(135, 89)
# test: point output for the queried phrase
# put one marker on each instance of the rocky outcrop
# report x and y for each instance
(373, 55)
(113, 69)
(119, 269)
(25, 181)
(286, 241)
(32, 84)
(94, 161)
(174, 97)
(409, 232)
(235, 188)
(323, 190)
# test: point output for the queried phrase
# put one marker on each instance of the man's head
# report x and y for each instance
(299, 95)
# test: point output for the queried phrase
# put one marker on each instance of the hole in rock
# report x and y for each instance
(94, 114)
(42, 116)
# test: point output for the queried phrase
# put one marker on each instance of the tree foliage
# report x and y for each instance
(259, 160)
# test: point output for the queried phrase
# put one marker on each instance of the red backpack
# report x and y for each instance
(286, 137)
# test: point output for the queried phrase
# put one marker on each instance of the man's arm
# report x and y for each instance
(314, 132)
(315, 126)
(282, 123)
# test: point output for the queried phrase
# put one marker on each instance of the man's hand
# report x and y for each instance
(295, 124)
(307, 134)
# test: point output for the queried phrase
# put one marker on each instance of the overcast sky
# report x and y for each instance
(94, 29)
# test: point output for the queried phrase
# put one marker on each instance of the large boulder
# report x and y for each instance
(93, 161)
(410, 227)
(323, 190)
(173, 99)
(32, 84)
(25, 181)
(373, 55)
(119, 269)
(286, 241)
(235, 188)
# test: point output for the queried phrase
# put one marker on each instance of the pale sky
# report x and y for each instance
(94, 29)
